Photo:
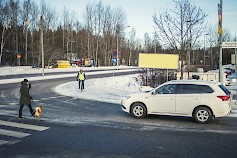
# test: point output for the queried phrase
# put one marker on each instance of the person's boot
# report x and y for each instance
(20, 115)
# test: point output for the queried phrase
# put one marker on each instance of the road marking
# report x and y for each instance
(47, 98)
(24, 126)
(13, 133)
(3, 142)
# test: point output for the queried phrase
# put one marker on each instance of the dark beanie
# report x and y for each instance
(25, 80)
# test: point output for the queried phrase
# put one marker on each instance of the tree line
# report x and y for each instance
(99, 33)
(96, 36)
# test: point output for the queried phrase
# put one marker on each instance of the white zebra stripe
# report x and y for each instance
(2, 142)
(22, 125)
(13, 133)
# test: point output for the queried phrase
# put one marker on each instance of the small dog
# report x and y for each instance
(38, 111)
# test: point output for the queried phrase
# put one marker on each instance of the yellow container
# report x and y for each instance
(63, 64)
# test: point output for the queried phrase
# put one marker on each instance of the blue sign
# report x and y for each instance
(114, 53)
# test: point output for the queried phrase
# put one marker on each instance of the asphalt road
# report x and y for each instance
(84, 128)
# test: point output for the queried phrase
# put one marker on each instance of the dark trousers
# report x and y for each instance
(81, 84)
(21, 107)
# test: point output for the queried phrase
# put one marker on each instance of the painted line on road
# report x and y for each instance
(47, 98)
(24, 126)
(13, 133)
(2, 142)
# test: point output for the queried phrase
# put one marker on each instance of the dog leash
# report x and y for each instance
(33, 102)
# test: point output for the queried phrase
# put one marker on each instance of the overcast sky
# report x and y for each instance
(140, 12)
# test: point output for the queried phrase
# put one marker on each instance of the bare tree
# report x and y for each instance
(213, 44)
(103, 24)
(101, 32)
(34, 27)
(26, 19)
(5, 20)
(174, 25)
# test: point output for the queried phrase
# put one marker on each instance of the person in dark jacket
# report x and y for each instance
(25, 98)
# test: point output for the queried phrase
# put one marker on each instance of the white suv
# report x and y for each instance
(202, 100)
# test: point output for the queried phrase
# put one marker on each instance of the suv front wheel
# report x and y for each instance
(138, 110)
(202, 115)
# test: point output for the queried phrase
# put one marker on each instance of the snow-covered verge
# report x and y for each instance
(110, 89)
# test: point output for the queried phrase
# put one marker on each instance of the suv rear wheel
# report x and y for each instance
(138, 110)
(202, 115)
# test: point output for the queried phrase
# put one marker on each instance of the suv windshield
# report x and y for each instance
(224, 89)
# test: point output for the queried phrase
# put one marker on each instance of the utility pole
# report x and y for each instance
(67, 50)
(129, 51)
(235, 55)
(26, 40)
(220, 41)
(42, 42)
(204, 54)
(189, 47)
(117, 50)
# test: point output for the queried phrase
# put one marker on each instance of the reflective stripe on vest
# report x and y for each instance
(81, 76)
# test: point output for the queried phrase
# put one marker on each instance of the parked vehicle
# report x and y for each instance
(36, 65)
(230, 69)
(77, 62)
(207, 76)
(201, 100)
(227, 71)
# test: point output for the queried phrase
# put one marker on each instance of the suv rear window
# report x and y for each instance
(224, 89)
(193, 89)
(205, 89)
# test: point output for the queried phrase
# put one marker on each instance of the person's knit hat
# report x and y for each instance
(25, 80)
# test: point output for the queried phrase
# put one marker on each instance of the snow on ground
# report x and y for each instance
(28, 70)
(109, 89)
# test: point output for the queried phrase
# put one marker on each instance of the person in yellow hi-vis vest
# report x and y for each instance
(81, 77)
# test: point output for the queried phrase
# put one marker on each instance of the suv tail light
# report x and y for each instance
(224, 97)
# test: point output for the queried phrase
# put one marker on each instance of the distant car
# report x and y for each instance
(227, 71)
(202, 100)
(36, 66)
(230, 69)
(77, 62)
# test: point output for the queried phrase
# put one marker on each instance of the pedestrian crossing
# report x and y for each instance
(22, 125)
(12, 130)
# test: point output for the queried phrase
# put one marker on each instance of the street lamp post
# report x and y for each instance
(67, 50)
(129, 51)
(42, 42)
(117, 45)
(67, 47)
(204, 52)
(235, 55)
(190, 45)
(117, 52)
(27, 22)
